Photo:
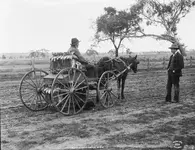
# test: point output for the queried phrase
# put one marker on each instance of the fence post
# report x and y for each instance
(33, 65)
(148, 65)
(164, 65)
(190, 61)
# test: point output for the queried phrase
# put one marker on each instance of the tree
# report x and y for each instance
(3, 57)
(128, 51)
(166, 15)
(33, 54)
(115, 26)
(111, 52)
(92, 52)
(39, 53)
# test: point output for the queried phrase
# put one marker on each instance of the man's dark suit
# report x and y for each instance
(175, 66)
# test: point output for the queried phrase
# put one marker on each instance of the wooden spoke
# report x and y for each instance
(76, 102)
(68, 99)
(32, 81)
(41, 95)
(81, 93)
(105, 99)
(30, 84)
(103, 95)
(32, 101)
(61, 83)
(79, 84)
(27, 91)
(29, 88)
(79, 98)
(73, 78)
(67, 96)
(30, 97)
(73, 104)
(81, 88)
(102, 84)
(77, 79)
(113, 94)
(41, 99)
(61, 94)
(69, 106)
(35, 76)
(109, 100)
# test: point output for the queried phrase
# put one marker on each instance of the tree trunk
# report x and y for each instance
(116, 52)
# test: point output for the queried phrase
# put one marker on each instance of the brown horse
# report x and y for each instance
(121, 67)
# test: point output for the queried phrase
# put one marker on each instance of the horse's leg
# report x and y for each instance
(118, 87)
(123, 86)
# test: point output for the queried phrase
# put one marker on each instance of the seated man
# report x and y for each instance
(75, 51)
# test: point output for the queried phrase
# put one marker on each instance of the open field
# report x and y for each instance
(143, 120)
(147, 62)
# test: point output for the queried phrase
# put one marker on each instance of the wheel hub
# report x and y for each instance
(71, 90)
(109, 89)
(39, 90)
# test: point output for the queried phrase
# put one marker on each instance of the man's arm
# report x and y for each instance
(80, 57)
(169, 61)
(181, 62)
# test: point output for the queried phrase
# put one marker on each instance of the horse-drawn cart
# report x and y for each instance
(67, 86)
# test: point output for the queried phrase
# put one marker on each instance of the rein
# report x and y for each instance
(118, 59)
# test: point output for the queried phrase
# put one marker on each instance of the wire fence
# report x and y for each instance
(162, 63)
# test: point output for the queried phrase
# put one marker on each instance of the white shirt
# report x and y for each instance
(178, 51)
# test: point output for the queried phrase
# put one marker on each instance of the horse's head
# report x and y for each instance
(134, 63)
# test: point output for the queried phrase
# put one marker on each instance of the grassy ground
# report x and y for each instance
(142, 121)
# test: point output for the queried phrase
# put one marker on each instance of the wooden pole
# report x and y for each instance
(148, 66)
(33, 65)
(164, 63)
(190, 61)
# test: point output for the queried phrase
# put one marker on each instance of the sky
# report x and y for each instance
(35, 24)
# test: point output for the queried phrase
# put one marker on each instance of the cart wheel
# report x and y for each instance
(107, 89)
(31, 90)
(70, 91)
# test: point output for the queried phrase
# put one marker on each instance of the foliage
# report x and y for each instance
(128, 51)
(115, 26)
(166, 15)
(91, 52)
(60, 54)
(3, 57)
(111, 52)
(39, 53)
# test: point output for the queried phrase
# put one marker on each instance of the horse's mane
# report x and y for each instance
(127, 60)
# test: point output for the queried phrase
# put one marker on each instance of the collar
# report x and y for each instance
(178, 51)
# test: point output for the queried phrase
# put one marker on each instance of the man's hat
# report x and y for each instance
(180, 47)
(74, 41)
(174, 46)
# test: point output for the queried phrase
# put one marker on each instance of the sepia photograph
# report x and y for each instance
(97, 74)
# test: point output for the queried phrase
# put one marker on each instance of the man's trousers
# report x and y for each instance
(172, 80)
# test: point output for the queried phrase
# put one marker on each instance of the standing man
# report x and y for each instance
(175, 66)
